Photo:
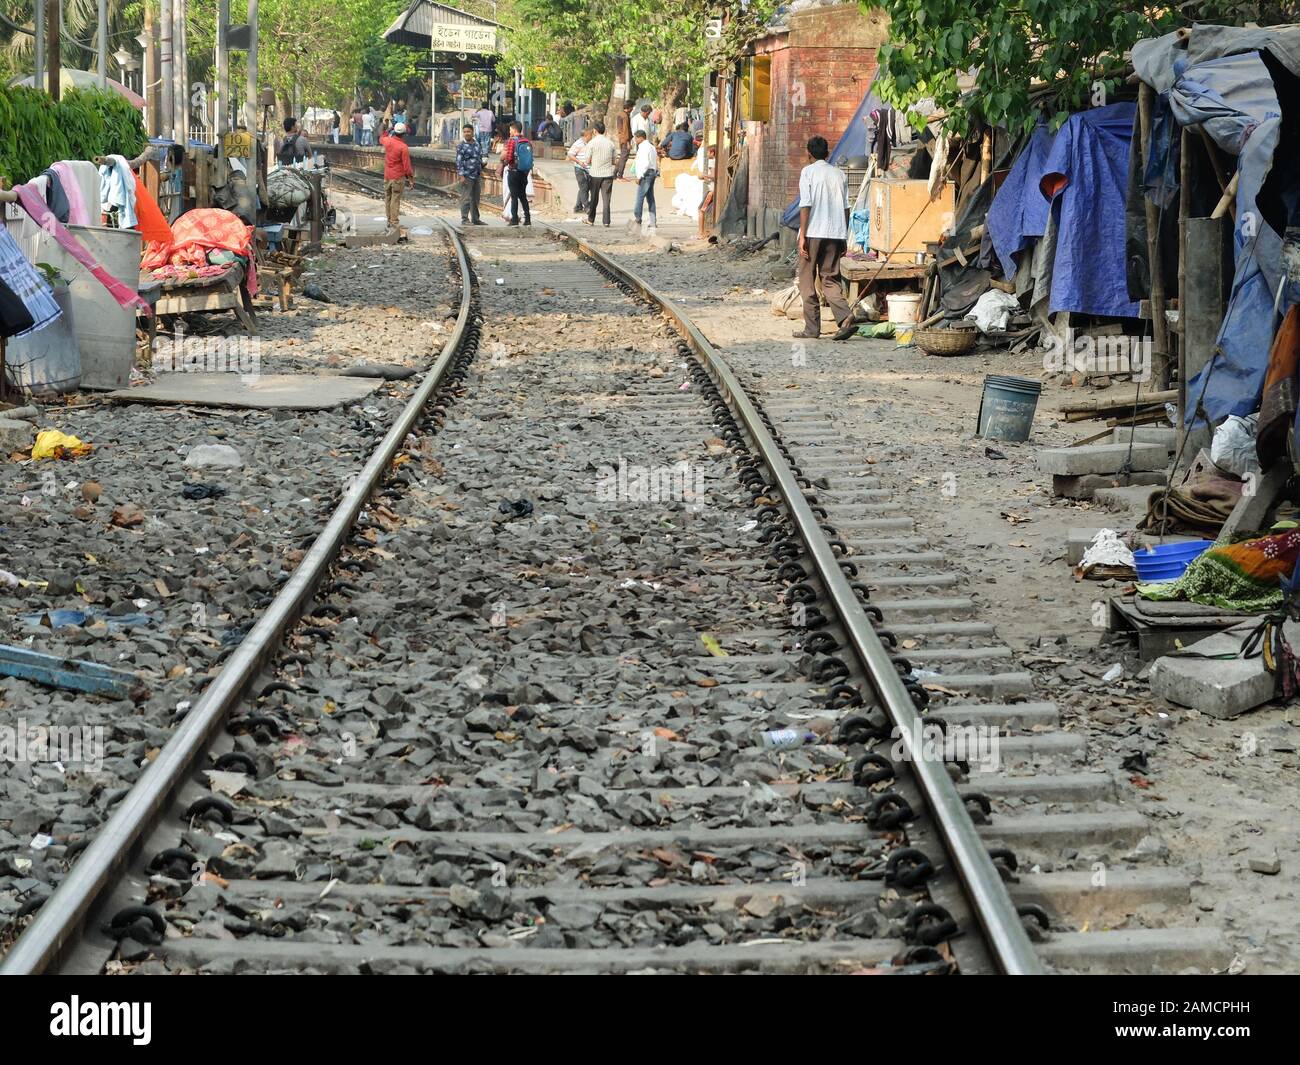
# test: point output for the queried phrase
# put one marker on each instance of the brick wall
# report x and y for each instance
(821, 70)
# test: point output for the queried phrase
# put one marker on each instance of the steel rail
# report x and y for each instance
(1005, 935)
(58, 921)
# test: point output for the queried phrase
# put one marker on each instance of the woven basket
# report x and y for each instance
(946, 341)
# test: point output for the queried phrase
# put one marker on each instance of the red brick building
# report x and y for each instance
(804, 79)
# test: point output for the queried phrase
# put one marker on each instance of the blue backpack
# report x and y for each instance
(523, 156)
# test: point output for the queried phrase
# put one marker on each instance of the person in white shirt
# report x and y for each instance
(600, 170)
(580, 155)
(641, 121)
(647, 169)
(368, 126)
(823, 238)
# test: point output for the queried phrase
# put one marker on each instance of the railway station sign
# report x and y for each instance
(452, 37)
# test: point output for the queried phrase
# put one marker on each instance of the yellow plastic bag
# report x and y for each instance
(52, 444)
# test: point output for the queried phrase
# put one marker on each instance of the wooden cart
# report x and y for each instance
(207, 295)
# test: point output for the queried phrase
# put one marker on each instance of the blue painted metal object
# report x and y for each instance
(72, 673)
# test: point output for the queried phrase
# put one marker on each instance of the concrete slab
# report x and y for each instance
(1083, 487)
(16, 434)
(1220, 687)
(1101, 458)
(257, 392)
(1147, 434)
(1124, 499)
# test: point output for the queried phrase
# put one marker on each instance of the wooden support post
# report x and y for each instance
(54, 60)
(1155, 265)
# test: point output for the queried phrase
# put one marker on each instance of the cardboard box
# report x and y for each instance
(904, 218)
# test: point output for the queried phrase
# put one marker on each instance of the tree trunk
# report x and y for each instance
(672, 99)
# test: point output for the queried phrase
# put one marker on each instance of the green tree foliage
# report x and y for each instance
(35, 131)
(1028, 58)
(570, 46)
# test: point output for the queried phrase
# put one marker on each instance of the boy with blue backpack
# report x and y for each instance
(517, 158)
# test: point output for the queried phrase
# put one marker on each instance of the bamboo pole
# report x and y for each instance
(1155, 265)
(53, 20)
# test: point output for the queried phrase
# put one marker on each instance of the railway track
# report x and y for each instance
(510, 712)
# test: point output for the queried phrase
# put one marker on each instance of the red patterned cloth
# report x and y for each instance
(200, 231)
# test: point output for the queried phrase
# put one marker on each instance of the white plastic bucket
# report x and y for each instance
(904, 307)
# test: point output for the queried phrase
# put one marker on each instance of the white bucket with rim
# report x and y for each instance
(904, 307)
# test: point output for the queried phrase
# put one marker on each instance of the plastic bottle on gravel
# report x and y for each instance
(781, 739)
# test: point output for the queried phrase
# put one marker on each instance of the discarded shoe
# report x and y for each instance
(516, 508)
(203, 491)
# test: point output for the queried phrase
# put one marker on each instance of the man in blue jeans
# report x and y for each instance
(647, 169)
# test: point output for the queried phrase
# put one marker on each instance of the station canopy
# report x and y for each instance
(445, 31)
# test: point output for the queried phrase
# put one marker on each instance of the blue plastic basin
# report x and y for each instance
(1167, 562)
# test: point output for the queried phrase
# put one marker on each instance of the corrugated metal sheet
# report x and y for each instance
(415, 25)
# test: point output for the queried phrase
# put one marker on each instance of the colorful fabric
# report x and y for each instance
(200, 231)
(26, 283)
(153, 225)
(55, 196)
(78, 213)
(1244, 576)
(86, 178)
(32, 203)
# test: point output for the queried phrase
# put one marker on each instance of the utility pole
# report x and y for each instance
(38, 48)
(102, 45)
(167, 86)
(222, 105)
(52, 23)
(180, 101)
(252, 102)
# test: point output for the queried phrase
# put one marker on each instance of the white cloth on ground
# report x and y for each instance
(993, 310)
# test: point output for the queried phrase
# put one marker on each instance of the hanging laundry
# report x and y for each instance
(55, 196)
(15, 319)
(22, 279)
(85, 176)
(78, 215)
(117, 190)
(32, 203)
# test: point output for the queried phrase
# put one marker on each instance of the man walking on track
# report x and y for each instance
(823, 237)
(397, 171)
(469, 165)
(647, 169)
(601, 171)
(580, 156)
(517, 158)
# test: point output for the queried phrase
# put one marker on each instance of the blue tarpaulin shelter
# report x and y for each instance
(1085, 177)
(1078, 175)
(1217, 78)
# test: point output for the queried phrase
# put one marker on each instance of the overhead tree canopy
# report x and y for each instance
(1076, 48)
(571, 45)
